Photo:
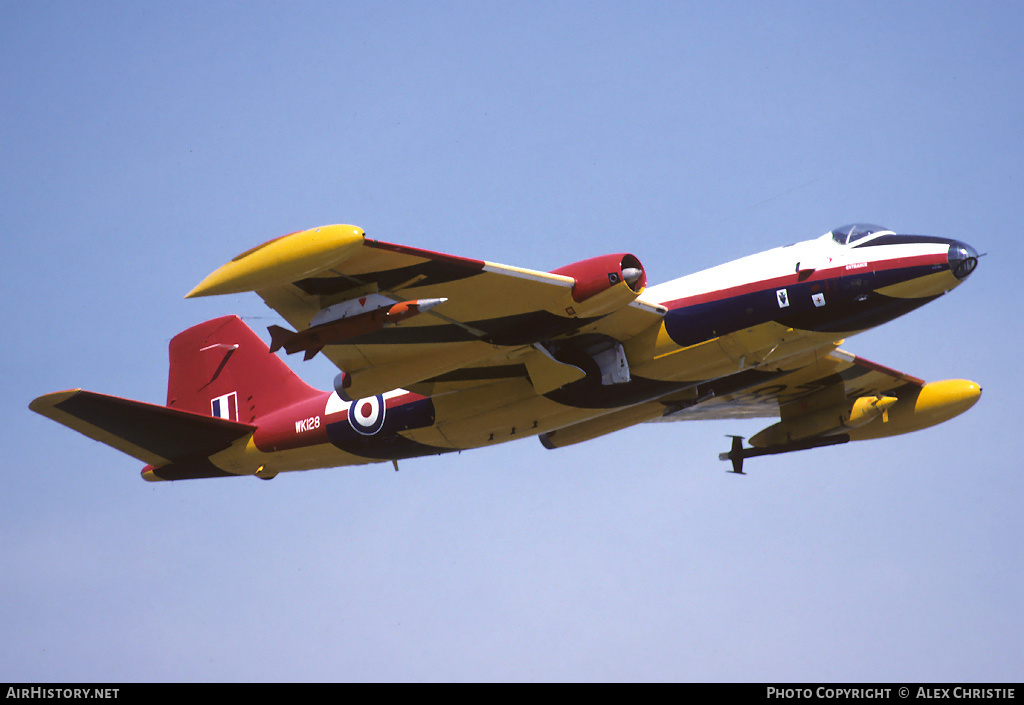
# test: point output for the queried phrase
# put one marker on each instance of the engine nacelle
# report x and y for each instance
(604, 284)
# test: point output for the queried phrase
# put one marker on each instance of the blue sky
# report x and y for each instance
(146, 144)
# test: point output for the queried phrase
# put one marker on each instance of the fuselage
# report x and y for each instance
(723, 328)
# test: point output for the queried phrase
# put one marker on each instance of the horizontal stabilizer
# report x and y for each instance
(155, 434)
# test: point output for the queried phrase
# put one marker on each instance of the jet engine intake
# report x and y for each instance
(604, 284)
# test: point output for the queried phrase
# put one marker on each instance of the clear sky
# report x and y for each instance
(145, 144)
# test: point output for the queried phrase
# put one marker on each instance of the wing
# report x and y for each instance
(392, 316)
(830, 380)
(840, 397)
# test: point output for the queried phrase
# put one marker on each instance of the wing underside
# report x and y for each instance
(841, 398)
(831, 380)
(483, 317)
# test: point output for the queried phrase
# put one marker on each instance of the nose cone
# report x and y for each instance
(962, 259)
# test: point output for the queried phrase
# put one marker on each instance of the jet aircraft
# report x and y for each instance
(440, 353)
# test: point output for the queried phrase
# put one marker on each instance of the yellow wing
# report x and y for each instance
(836, 397)
(839, 394)
(483, 318)
(829, 380)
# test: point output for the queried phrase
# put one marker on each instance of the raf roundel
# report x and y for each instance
(366, 416)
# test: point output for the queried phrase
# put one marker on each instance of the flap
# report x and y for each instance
(548, 374)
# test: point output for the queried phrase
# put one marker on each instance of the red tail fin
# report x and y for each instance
(222, 368)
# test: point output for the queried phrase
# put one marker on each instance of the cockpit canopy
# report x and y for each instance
(855, 231)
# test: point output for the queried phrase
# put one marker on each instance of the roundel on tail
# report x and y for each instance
(366, 416)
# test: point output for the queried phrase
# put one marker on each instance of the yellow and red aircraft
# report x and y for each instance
(441, 353)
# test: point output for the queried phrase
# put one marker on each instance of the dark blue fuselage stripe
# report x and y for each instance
(839, 304)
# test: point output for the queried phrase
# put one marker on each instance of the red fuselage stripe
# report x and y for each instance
(817, 276)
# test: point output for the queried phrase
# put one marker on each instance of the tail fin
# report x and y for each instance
(222, 368)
